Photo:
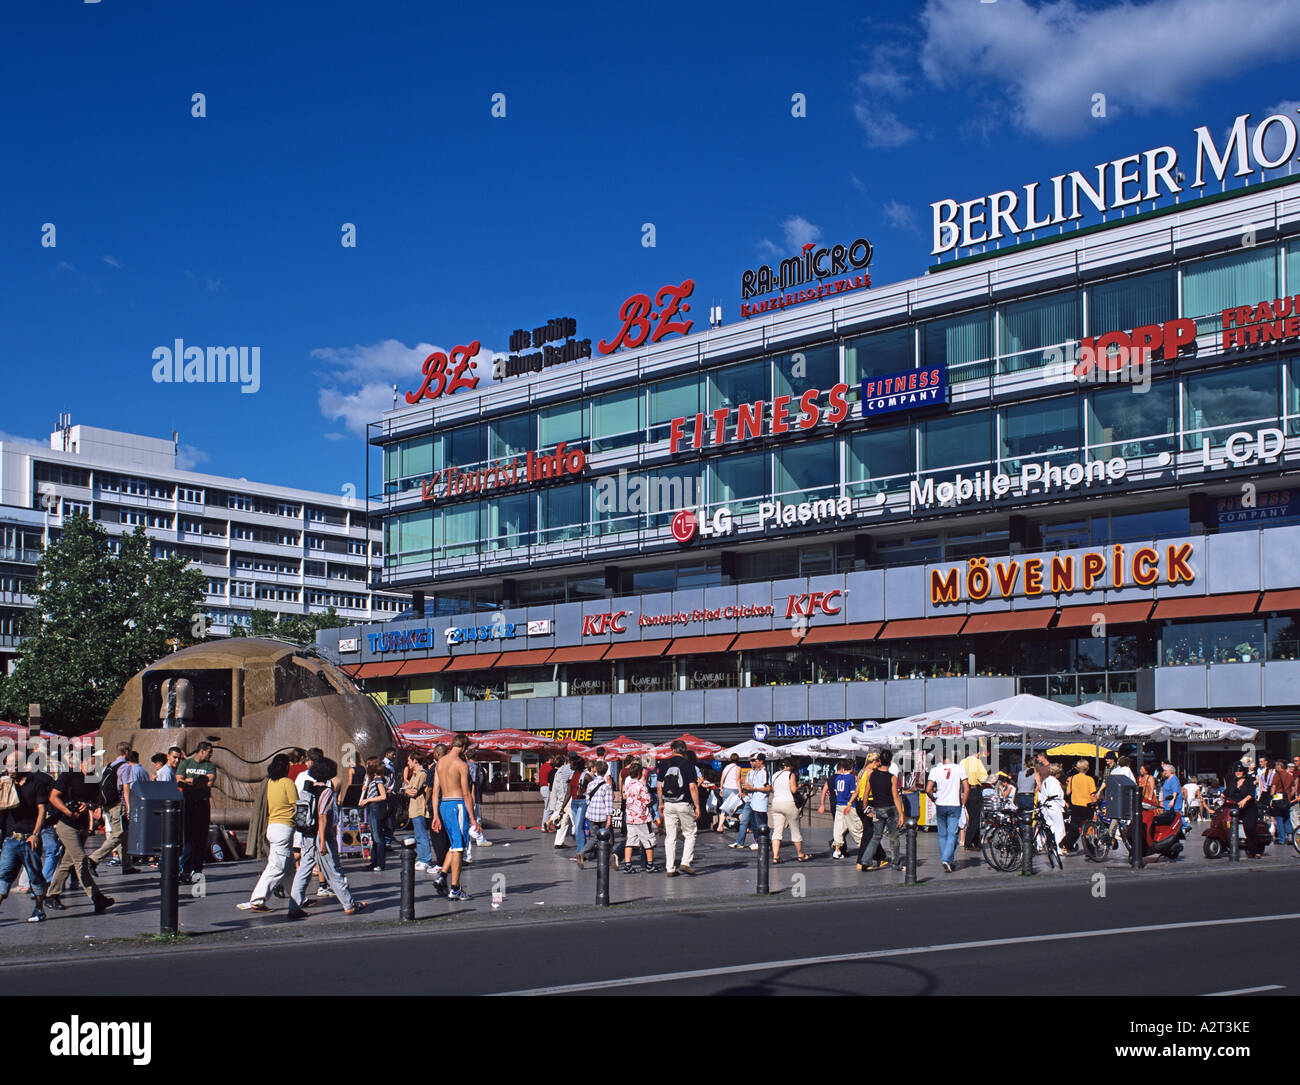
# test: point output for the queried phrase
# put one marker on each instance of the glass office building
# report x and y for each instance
(762, 530)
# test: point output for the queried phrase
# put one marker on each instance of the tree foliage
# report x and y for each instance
(297, 628)
(99, 618)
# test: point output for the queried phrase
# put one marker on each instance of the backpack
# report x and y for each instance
(674, 785)
(305, 810)
(110, 794)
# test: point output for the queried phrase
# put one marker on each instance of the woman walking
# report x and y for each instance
(281, 797)
(785, 812)
(374, 799)
(730, 787)
(578, 785)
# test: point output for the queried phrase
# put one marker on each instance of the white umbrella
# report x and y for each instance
(1020, 713)
(1114, 720)
(855, 743)
(1203, 729)
(748, 749)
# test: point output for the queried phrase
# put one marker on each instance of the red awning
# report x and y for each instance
(636, 649)
(473, 662)
(1207, 606)
(432, 665)
(1281, 600)
(582, 653)
(696, 645)
(529, 658)
(1111, 613)
(379, 670)
(1004, 621)
(839, 634)
(923, 627)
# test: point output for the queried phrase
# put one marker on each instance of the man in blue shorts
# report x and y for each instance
(452, 811)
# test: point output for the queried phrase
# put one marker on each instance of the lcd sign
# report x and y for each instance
(906, 390)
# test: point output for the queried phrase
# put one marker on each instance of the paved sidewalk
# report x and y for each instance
(538, 882)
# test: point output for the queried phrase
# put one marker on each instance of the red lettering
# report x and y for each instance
(811, 412)
(633, 313)
(780, 412)
(666, 325)
(839, 404)
(749, 421)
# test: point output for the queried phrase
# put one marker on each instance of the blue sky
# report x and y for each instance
(225, 230)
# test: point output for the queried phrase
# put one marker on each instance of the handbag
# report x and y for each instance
(8, 793)
(1279, 807)
(731, 804)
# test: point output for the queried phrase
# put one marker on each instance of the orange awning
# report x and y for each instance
(425, 666)
(1207, 606)
(636, 649)
(839, 634)
(473, 662)
(582, 653)
(379, 670)
(1281, 600)
(923, 627)
(529, 658)
(1111, 613)
(1004, 621)
(694, 645)
(771, 638)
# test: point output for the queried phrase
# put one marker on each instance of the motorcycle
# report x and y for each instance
(1218, 834)
(1161, 838)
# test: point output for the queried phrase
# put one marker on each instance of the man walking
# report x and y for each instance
(976, 774)
(195, 776)
(678, 791)
(840, 787)
(755, 791)
(318, 845)
(947, 788)
(453, 807)
(112, 800)
(21, 821)
(415, 787)
(72, 798)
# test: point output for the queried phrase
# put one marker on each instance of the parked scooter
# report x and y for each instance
(1218, 834)
(1162, 839)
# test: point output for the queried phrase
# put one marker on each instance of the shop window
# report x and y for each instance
(648, 675)
(881, 460)
(1283, 638)
(1201, 643)
(585, 679)
(1033, 330)
(1244, 277)
(878, 353)
(963, 344)
(1221, 402)
(532, 682)
(850, 662)
(1135, 526)
(1122, 422)
(711, 672)
(777, 667)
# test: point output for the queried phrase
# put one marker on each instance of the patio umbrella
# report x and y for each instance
(623, 746)
(419, 733)
(1204, 729)
(748, 749)
(508, 740)
(700, 747)
(1079, 749)
(852, 743)
(579, 748)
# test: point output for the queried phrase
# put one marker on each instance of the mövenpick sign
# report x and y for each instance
(1108, 186)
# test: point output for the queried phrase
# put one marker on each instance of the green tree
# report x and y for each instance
(99, 618)
(296, 628)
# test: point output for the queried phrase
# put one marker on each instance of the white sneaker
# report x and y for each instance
(753, 847)
(421, 866)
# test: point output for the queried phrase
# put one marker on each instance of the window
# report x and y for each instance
(1122, 304)
(288, 538)
(509, 521)
(315, 542)
(457, 532)
(460, 447)
(216, 587)
(1045, 426)
(739, 481)
(410, 537)
(191, 527)
(193, 496)
(157, 520)
(315, 515)
(405, 460)
(242, 589)
(1122, 422)
(1199, 643)
(666, 400)
(1245, 277)
(564, 512)
(743, 383)
(616, 420)
(512, 436)
(880, 352)
(962, 343)
(666, 491)
(957, 440)
(818, 367)
(1031, 325)
(130, 516)
(808, 471)
(356, 547)
(1218, 403)
(881, 460)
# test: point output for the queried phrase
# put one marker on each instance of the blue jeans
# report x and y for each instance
(578, 811)
(750, 817)
(51, 852)
(423, 845)
(15, 854)
(375, 819)
(948, 820)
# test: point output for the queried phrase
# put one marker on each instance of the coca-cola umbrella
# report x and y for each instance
(700, 747)
(419, 733)
(623, 746)
(581, 749)
(508, 740)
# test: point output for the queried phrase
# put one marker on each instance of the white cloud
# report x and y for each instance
(188, 458)
(17, 439)
(336, 436)
(358, 382)
(887, 80)
(1052, 58)
(799, 232)
(883, 127)
(899, 215)
(111, 261)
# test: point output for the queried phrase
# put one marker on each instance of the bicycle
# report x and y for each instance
(1003, 848)
(1101, 836)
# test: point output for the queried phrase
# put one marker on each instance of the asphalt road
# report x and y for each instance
(1186, 935)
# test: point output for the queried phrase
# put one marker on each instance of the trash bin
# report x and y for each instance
(144, 833)
(1121, 797)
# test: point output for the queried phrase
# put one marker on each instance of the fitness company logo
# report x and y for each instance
(811, 266)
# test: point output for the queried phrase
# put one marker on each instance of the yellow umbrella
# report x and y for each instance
(1078, 749)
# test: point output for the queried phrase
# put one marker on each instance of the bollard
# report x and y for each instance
(1234, 845)
(764, 836)
(169, 867)
(604, 849)
(407, 913)
(1026, 841)
(909, 850)
(1139, 838)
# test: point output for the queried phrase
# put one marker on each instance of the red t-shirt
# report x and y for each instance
(295, 771)
(544, 774)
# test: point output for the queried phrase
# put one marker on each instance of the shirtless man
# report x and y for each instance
(451, 790)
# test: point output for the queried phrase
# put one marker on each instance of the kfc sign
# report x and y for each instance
(597, 625)
(812, 603)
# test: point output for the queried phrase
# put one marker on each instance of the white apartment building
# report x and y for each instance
(260, 546)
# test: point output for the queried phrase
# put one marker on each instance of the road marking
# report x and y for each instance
(880, 954)
(1244, 991)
